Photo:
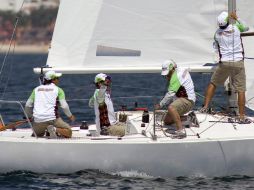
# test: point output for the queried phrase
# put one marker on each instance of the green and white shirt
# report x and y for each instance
(228, 42)
(180, 86)
(44, 100)
(100, 96)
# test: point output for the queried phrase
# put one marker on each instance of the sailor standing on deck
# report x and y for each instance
(180, 97)
(43, 106)
(228, 44)
(105, 117)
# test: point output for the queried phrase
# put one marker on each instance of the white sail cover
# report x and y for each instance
(110, 36)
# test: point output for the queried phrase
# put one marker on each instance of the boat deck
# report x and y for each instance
(210, 127)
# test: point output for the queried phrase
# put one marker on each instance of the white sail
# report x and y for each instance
(131, 35)
(245, 12)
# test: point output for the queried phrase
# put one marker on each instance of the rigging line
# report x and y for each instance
(126, 97)
(200, 95)
(74, 100)
(15, 92)
(212, 125)
(250, 99)
(12, 37)
(78, 86)
(87, 99)
(8, 79)
(121, 86)
(194, 132)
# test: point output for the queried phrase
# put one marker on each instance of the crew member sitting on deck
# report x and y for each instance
(105, 120)
(180, 97)
(43, 106)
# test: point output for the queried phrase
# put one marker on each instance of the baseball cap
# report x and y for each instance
(100, 77)
(50, 75)
(167, 66)
(222, 19)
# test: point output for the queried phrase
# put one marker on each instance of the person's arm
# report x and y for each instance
(239, 23)
(241, 26)
(100, 94)
(167, 99)
(64, 105)
(29, 105)
(91, 102)
(29, 111)
(215, 44)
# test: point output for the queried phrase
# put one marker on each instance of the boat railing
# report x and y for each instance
(23, 110)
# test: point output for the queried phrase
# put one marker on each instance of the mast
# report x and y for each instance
(230, 91)
(231, 5)
(231, 8)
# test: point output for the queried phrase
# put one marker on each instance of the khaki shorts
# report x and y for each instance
(40, 128)
(234, 70)
(182, 105)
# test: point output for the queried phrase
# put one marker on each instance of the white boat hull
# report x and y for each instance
(192, 156)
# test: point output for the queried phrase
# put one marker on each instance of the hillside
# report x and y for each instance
(33, 30)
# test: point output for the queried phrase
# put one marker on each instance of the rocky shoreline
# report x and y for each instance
(25, 49)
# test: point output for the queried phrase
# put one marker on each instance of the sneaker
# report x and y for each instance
(170, 131)
(179, 135)
(204, 110)
(244, 121)
(52, 132)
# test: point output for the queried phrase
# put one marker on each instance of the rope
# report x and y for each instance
(200, 95)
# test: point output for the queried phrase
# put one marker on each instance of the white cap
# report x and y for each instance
(50, 75)
(222, 19)
(167, 66)
(100, 77)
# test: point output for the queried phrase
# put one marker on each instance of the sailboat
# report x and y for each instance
(131, 36)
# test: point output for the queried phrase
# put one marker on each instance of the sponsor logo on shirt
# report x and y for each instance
(45, 89)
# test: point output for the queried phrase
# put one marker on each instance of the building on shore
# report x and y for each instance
(28, 5)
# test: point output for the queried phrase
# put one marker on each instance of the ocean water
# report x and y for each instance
(16, 83)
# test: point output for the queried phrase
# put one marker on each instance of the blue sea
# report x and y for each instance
(16, 83)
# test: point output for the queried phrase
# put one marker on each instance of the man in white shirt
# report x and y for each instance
(228, 44)
(43, 104)
(105, 117)
(180, 97)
